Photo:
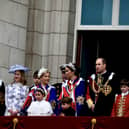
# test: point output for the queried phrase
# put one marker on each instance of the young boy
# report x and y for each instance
(121, 104)
(67, 110)
(40, 107)
(35, 80)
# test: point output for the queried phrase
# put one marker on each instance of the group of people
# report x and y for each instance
(101, 94)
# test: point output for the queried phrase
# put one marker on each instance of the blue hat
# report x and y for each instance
(16, 67)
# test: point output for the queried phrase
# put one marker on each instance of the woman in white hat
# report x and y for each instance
(16, 92)
(50, 91)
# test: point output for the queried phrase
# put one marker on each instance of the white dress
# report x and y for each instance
(40, 108)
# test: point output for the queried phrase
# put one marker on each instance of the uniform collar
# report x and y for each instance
(73, 81)
(124, 94)
(103, 72)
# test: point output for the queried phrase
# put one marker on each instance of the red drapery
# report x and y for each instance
(64, 123)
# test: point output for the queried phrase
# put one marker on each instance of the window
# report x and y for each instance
(124, 12)
(96, 12)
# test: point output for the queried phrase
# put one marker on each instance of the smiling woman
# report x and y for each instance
(16, 92)
(50, 91)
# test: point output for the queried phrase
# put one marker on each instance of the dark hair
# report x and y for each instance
(66, 100)
(35, 74)
(76, 71)
(124, 81)
(40, 90)
(62, 68)
(103, 60)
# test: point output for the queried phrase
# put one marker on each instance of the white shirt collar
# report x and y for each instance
(124, 94)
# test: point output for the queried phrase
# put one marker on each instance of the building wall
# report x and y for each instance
(36, 33)
(50, 35)
(13, 26)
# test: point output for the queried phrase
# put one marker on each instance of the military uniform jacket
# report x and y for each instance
(75, 90)
(121, 106)
(101, 92)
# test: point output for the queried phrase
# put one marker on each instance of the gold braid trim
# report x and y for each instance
(90, 103)
(93, 87)
(106, 89)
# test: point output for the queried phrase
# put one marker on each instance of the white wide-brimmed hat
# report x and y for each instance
(42, 71)
(16, 67)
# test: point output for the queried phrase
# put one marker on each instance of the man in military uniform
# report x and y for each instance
(101, 89)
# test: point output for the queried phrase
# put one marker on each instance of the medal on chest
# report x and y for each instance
(98, 86)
